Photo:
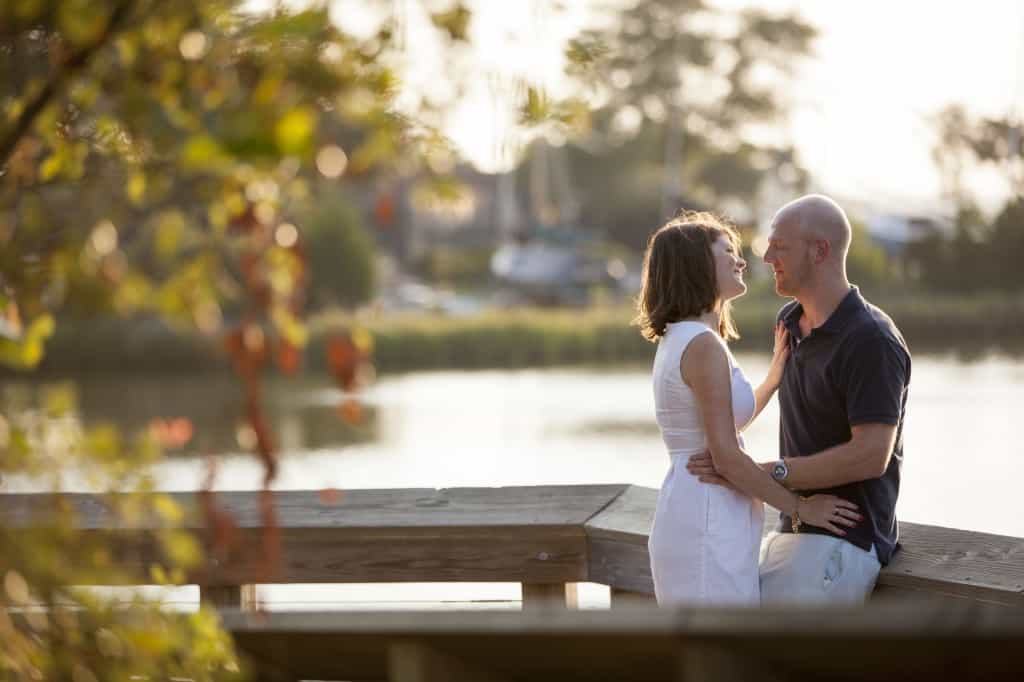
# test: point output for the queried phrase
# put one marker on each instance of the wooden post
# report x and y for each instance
(241, 597)
(415, 662)
(560, 595)
(621, 597)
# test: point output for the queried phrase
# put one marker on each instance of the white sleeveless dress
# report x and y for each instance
(705, 540)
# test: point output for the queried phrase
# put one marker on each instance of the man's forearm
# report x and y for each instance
(839, 465)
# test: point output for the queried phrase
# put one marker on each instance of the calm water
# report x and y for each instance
(963, 461)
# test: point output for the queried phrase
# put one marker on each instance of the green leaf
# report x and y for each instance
(60, 400)
(455, 22)
(181, 548)
(201, 152)
(27, 351)
(169, 230)
(81, 21)
(294, 132)
(167, 509)
(136, 187)
(536, 108)
(104, 442)
(50, 167)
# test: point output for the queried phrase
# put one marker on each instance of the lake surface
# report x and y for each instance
(962, 468)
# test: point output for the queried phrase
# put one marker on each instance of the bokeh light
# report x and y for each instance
(331, 161)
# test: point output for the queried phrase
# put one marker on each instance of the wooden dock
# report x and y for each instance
(946, 587)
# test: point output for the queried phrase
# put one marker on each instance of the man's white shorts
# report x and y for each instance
(804, 568)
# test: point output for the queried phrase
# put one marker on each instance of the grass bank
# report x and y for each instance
(521, 338)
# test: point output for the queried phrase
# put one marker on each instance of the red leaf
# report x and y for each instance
(330, 496)
(343, 360)
(351, 412)
(288, 358)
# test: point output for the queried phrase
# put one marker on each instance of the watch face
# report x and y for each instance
(779, 471)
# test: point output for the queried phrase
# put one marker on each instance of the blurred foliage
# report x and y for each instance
(980, 254)
(461, 267)
(678, 87)
(964, 141)
(866, 264)
(49, 627)
(154, 160)
(944, 321)
(341, 255)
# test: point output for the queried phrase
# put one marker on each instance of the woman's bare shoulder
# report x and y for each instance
(706, 353)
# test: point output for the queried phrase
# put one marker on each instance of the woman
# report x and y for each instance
(705, 540)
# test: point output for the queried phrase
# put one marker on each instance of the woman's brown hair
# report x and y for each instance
(679, 274)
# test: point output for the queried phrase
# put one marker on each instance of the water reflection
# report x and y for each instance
(200, 415)
(493, 428)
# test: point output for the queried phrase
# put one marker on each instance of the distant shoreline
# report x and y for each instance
(515, 338)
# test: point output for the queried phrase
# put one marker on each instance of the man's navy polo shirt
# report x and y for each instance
(854, 369)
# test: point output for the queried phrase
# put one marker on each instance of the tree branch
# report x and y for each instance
(70, 66)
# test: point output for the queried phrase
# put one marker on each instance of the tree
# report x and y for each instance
(152, 155)
(680, 86)
(964, 141)
(341, 255)
(980, 255)
(1007, 241)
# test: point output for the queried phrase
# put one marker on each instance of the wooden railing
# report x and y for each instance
(548, 538)
(957, 641)
(545, 537)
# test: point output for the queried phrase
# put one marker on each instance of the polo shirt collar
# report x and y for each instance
(844, 312)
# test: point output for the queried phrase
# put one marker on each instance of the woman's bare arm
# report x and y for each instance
(705, 368)
(764, 392)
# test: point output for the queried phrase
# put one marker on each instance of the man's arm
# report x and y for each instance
(866, 455)
(873, 377)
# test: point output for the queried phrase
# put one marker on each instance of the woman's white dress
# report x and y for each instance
(706, 538)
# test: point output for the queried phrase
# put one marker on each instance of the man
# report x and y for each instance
(842, 400)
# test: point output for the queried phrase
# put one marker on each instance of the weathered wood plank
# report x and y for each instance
(620, 563)
(960, 640)
(484, 554)
(959, 563)
(542, 534)
(940, 561)
(361, 509)
(416, 662)
(628, 517)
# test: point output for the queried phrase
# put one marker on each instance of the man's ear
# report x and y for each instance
(822, 250)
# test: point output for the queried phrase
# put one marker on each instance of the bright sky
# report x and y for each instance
(860, 106)
(881, 69)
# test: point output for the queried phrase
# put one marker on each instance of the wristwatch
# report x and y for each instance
(780, 471)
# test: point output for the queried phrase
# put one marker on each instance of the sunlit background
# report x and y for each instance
(450, 203)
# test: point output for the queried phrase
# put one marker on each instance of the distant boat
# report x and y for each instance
(559, 270)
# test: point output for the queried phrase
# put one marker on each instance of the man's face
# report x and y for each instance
(789, 254)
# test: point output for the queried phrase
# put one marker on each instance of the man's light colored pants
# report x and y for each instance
(815, 569)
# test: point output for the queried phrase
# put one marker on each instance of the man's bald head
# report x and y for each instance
(818, 217)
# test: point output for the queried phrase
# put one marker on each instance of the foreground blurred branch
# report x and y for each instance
(64, 71)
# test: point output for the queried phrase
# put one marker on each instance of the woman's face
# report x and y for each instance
(729, 267)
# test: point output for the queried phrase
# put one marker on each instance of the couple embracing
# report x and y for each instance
(842, 371)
